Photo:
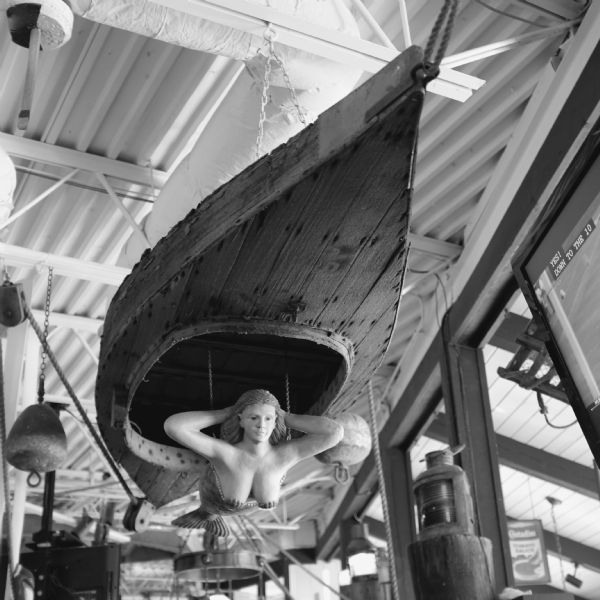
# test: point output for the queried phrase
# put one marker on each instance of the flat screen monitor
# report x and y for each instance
(558, 270)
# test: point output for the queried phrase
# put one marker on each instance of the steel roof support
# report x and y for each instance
(467, 404)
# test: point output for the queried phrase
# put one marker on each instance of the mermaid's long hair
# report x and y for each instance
(231, 430)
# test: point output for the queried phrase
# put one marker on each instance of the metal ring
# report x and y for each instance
(34, 479)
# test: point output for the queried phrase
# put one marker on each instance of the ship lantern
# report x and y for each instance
(361, 554)
(444, 503)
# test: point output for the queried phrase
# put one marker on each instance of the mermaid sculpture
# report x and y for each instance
(249, 462)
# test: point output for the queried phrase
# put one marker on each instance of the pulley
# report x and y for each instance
(37, 440)
(43, 25)
(12, 304)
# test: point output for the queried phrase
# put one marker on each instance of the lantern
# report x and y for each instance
(361, 554)
(444, 503)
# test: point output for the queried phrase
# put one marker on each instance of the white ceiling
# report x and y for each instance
(128, 107)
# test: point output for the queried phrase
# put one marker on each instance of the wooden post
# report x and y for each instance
(453, 567)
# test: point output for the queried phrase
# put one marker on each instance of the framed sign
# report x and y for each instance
(558, 270)
(527, 552)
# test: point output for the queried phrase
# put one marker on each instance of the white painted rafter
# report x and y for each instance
(17, 256)
(48, 154)
(327, 43)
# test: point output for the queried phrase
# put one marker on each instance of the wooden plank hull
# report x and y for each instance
(289, 274)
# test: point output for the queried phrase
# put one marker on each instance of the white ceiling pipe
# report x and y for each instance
(228, 143)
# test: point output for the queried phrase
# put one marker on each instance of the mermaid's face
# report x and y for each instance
(258, 422)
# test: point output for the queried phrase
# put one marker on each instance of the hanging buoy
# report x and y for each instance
(37, 440)
(12, 303)
(352, 449)
(43, 25)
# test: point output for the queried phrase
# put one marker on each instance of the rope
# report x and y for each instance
(440, 34)
(383, 494)
(7, 511)
(78, 405)
(291, 558)
(210, 380)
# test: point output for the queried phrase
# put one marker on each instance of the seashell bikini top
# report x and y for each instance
(222, 502)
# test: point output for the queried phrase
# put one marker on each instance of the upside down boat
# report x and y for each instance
(287, 278)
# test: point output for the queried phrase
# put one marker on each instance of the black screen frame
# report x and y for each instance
(569, 191)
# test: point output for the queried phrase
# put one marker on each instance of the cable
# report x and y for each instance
(507, 14)
(383, 494)
(78, 405)
(544, 411)
(291, 558)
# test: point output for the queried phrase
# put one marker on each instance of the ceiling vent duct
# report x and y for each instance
(228, 142)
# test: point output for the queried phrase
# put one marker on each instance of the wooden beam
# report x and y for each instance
(534, 462)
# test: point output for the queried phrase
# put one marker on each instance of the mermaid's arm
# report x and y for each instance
(321, 433)
(186, 427)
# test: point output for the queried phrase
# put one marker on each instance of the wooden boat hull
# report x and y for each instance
(286, 278)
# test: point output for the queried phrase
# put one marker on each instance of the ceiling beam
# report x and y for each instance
(17, 256)
(575, 551)
(299, 33)
(434, 247)
(537, 463)
(49, 154)
(510, 328)
(514, 199)
(65, 321)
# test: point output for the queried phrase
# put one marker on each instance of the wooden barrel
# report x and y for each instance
(453, 567)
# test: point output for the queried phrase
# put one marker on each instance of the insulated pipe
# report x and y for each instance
(228, 143)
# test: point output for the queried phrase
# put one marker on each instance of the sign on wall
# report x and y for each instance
(528, 553)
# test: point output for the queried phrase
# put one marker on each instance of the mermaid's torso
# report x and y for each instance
(211, 494)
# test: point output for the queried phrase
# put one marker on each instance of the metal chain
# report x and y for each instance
(78, 404)
(264, 100)
(42, 377)
(271, 55)
(383, 494)
(289, 86)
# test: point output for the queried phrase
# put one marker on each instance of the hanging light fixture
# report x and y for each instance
(8, 182)
(572, 578)
(361, 554)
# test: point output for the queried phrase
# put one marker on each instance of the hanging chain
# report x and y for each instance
(383, 494)
(42, 378)
(288, 435)
(78, 405)
(271, 55)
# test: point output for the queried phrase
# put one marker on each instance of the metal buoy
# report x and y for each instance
(37, 440)
(354, 446)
